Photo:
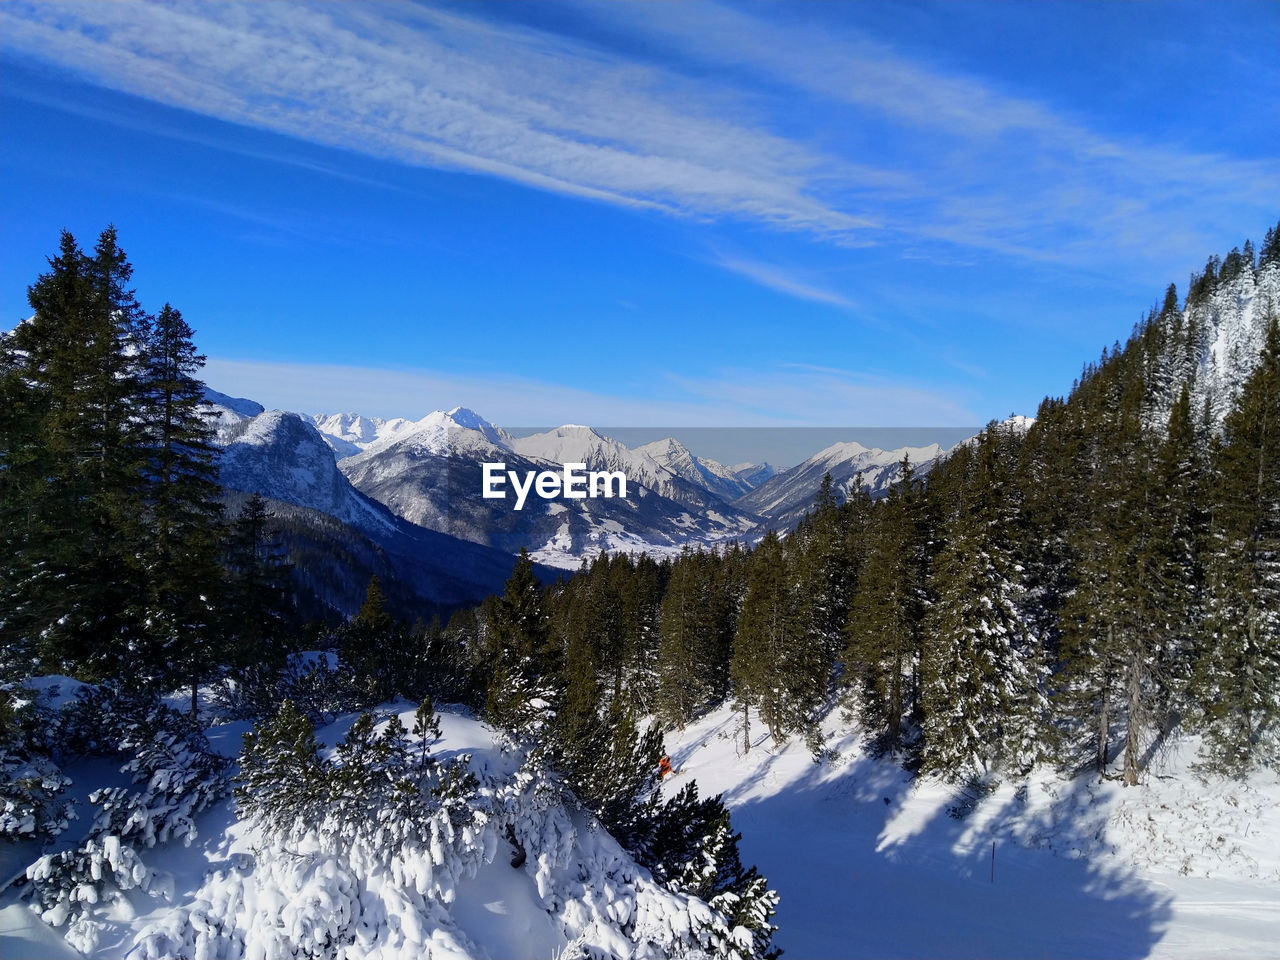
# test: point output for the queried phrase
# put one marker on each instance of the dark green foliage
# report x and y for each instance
(520, 646)
(693, 849)
(182, 561)
(769, 655)
(73, 452)
(697, 618)
(981, 665)
(1238, 676)
(377, 787)
(883, 630)
(256, 600)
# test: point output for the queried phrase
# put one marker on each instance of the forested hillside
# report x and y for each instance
(1075, 594)
(140, 626)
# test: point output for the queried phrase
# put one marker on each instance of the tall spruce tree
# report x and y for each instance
(256, 599)
(182, 560)
(766, 659)
(525, 658)
(883, 629)
(982, 669)
(1238, 676)
(74, 487)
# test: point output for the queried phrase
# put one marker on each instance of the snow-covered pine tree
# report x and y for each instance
(176, 776)
(33, 804)
(525, 659)
(981, 692)
(1238, 676)
(694, 849)
(882, 633)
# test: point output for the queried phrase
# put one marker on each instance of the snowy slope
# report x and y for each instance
(431, 475)
(753, 474)
(235, 892)
(784, 498)
(725, 482)
(1231, 327)
(224, 412)
(869, 862)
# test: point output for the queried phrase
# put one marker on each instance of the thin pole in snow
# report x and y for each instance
(993, 861)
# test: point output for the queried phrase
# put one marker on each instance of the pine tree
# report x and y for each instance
(74, 461)
(882, 633)
(981, 666)
(1238, 677)
(185, 514)
(764, 668)
(696, 627)
(522, 651)
(256, 600)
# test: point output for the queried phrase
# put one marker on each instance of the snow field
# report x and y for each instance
(871, 862)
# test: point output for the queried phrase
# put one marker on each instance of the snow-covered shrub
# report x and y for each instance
(175, 776)
(362, 853)
(32, 804)
(693, 849)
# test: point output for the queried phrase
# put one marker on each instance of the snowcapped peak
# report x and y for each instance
(839, 452)
(466, 417)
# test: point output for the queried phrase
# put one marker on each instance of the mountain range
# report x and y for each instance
(407, 492)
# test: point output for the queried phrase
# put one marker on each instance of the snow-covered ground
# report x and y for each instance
(869, 862)
(233, 893)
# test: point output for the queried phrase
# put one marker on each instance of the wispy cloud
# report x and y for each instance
(783, 281)
(709, 129)
(777, 396)
(423, 86)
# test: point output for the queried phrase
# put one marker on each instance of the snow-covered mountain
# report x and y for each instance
(351, 433)
(754, 474)
(727, 483)
(278, 454)
(347, 535)
(783, 499)
(431, 475)
(1225, 333)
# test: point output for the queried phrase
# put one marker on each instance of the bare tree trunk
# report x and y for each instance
(746, 729)
(1134, 726)
(1104, 733)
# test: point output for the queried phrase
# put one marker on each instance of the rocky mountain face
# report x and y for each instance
(342, 536)
(433, 476)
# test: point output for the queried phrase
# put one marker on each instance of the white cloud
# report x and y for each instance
(425, 87)
(776, 278)
(757, 119)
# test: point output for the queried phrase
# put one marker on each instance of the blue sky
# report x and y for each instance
(631, 214)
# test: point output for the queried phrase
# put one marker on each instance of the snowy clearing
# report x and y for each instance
(869, 862)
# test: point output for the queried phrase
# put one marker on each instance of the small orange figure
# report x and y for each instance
(664, 767)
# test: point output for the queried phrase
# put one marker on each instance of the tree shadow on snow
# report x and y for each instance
(871, 862)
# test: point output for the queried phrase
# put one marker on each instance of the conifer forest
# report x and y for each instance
(1074, 596)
